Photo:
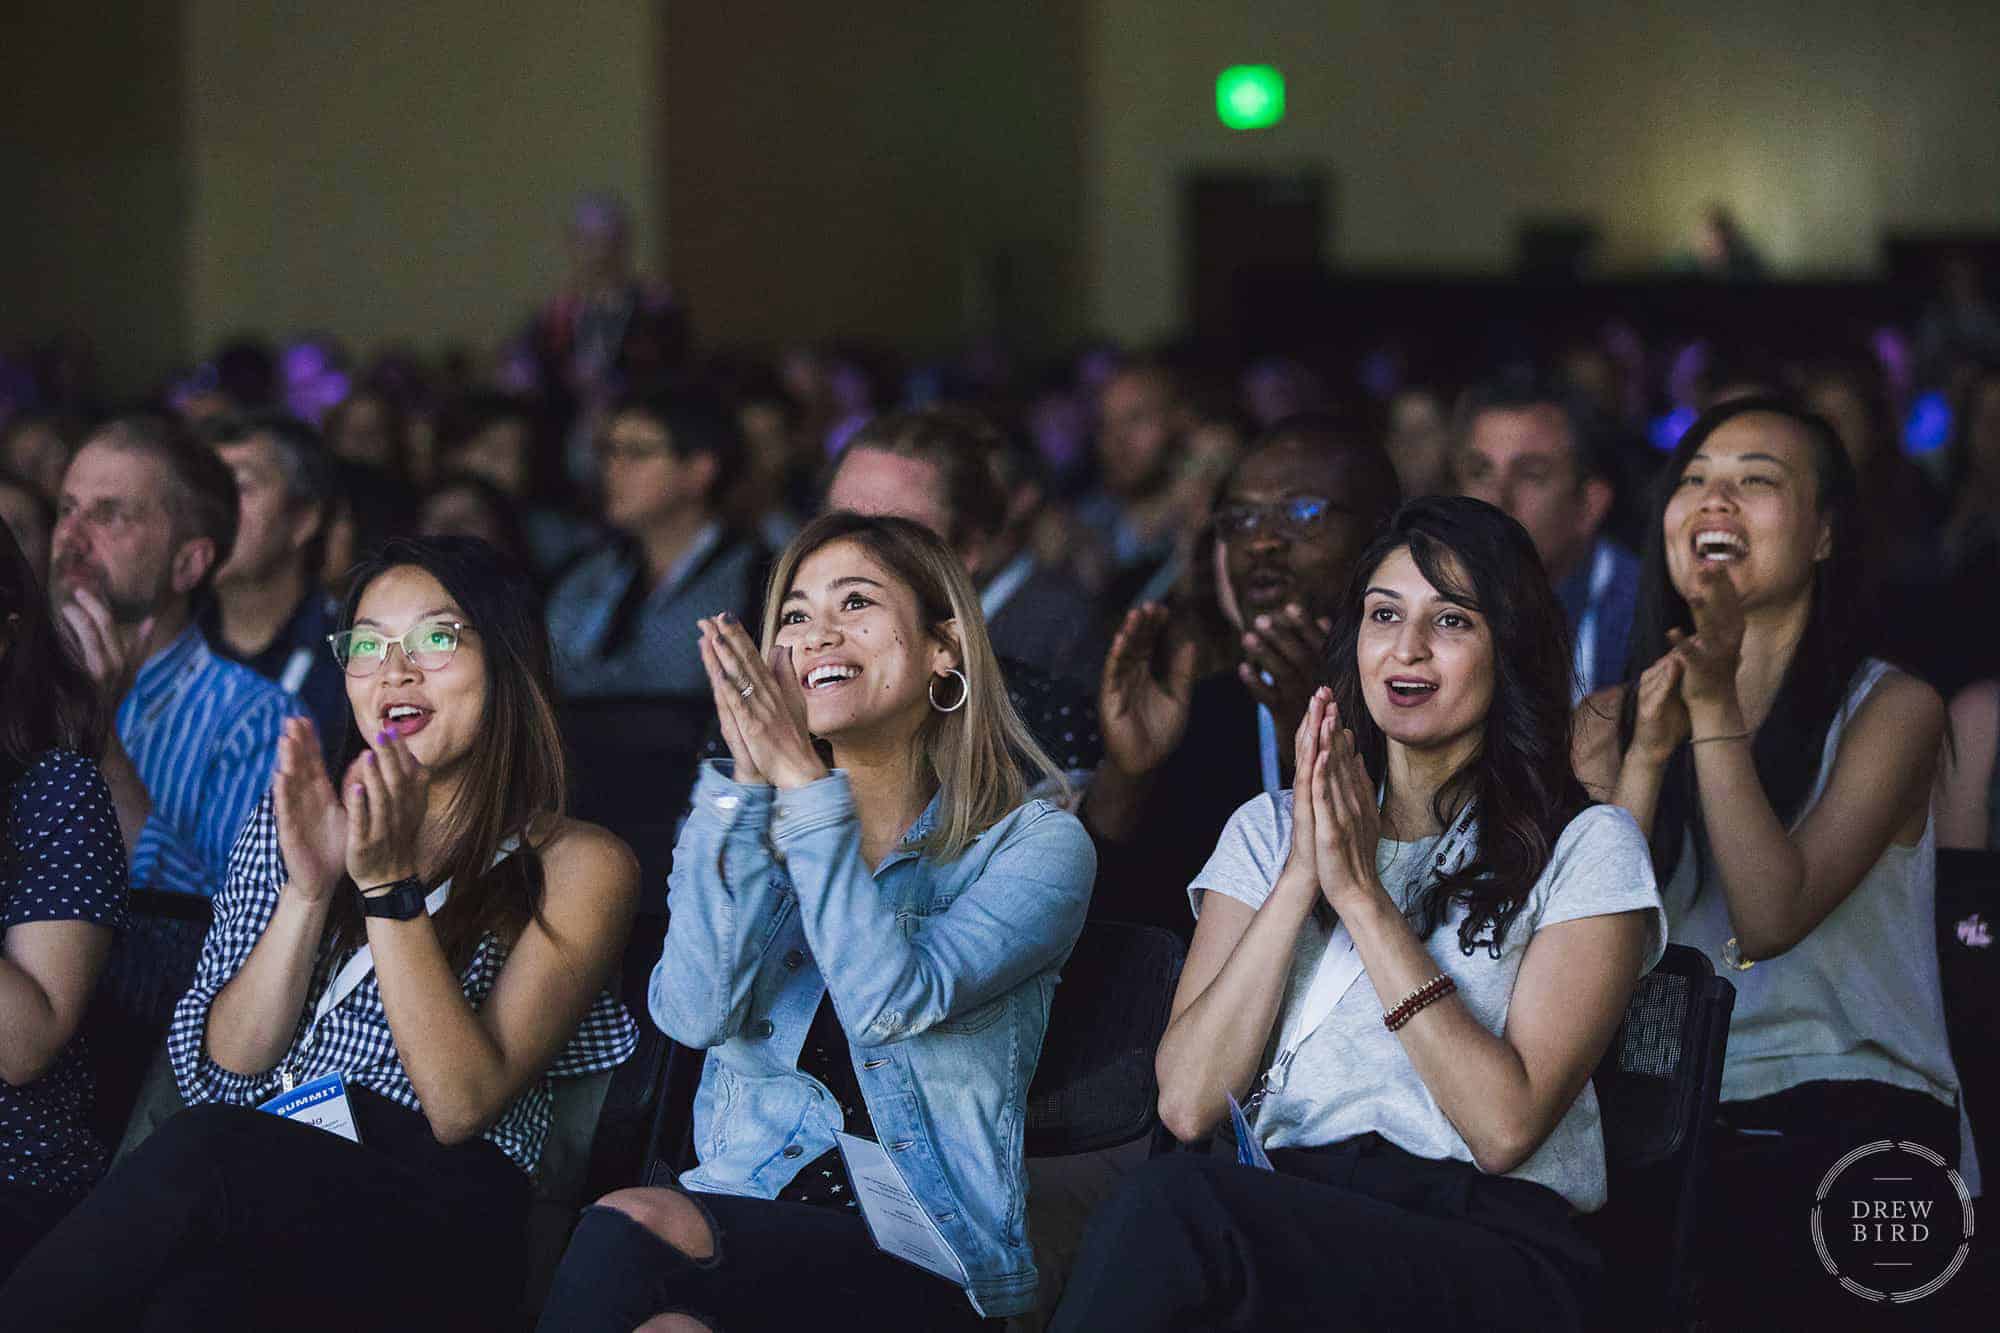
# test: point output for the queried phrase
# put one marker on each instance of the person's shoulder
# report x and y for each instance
(1601, 829)
(1042, 821)
(57, 768)
(1900, 701)
(1975, 710)
(579, 856)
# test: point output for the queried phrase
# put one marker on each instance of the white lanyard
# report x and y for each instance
(355, 971)
(296, 667)
(1340, 965)
(1602, 567)
(1005, 584)
(1267, 751)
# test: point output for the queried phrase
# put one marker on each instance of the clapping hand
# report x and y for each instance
(761, 704)
(1302, 861)
(312, 827)
(387, 794)
(1347, 823)
(1711, 654)
(1661, 714)
(1282, 654)
(1143, 716)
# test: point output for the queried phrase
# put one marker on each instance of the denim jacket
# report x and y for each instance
(941, 974)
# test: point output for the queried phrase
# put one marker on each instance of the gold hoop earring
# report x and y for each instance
(964, 691)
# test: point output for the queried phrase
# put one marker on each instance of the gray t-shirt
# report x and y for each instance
(1351, 1075)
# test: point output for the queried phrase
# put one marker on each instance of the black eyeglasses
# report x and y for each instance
(428, 645)
(1296, 516)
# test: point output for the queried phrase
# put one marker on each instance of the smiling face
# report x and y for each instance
(438, 707)
(1748, 502)
(1425, 661)
(859, 646)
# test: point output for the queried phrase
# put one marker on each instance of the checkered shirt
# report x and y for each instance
(354, 1038)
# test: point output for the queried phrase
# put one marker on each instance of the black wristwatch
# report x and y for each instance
(399, 900)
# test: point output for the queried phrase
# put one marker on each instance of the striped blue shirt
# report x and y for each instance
(203, 733)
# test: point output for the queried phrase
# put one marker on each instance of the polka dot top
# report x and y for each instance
(63, 860)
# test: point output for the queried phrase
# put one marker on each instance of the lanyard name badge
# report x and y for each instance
(1338, 969)
(322, 1102)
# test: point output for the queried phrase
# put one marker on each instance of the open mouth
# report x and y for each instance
(1265, 585)
(1719, 546)
(1410, 692)
(830, 676)
(405, 719)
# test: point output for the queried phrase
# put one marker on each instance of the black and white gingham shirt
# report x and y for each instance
(354, 1038)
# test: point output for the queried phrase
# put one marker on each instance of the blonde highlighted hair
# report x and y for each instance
(979, 755)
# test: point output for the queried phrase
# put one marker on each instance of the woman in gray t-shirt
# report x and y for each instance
(1406, 968)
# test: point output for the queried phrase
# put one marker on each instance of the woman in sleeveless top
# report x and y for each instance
(435, 935)
(1408, 965)
(1785, 782)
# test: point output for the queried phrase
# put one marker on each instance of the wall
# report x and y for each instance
(1442, 126)
(93, 156)
(402, 172)
(876, 170)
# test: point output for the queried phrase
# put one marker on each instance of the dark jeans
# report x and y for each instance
(229, 1218)
(776, 1266)
(1755, 1249)
(25, 1217)
(1357, 1235)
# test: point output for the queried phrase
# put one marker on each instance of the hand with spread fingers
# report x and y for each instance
(762, 705)
(1347, 823)
(1282, 657)
(312, 827)
(1143, 716)
(1661, 716)
(387, 791)
(1712, 653)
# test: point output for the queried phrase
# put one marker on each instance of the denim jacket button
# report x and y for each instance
(726, 802)
(873, 1064)
(794, 1150)
(794, 959)
(764, 1027)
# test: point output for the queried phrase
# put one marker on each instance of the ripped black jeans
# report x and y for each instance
(777, 1265)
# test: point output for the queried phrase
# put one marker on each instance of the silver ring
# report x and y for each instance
(747, 691)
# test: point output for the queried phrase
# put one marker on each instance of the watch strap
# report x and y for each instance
(399, 900)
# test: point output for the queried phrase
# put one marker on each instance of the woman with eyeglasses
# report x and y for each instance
(867, 917)
(398, 967)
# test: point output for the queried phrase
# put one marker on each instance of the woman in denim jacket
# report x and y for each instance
(870, 949)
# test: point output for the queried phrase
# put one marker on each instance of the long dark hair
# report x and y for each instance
(46, 700)
(517, 771)
(1788, 744)
(1521, 776)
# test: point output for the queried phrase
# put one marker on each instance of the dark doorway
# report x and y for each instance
(1243, 226)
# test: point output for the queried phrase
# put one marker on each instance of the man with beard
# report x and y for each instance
(1180, 754)
(145, 517)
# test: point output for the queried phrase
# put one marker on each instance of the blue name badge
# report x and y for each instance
(322, 1103)
(1249, 1152)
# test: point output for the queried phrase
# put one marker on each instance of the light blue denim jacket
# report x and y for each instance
(941, 974)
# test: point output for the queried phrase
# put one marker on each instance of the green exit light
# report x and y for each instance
(1250, 97)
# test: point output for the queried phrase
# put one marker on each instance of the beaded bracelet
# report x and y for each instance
(1419, 999)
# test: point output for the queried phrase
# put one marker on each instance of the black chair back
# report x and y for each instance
(632, 765)
(151, 964)
(1657, 1090)
(1968, 934)
(1094, 1087)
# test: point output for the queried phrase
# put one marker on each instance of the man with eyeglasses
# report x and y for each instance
(145, 518)
(1180, 753)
